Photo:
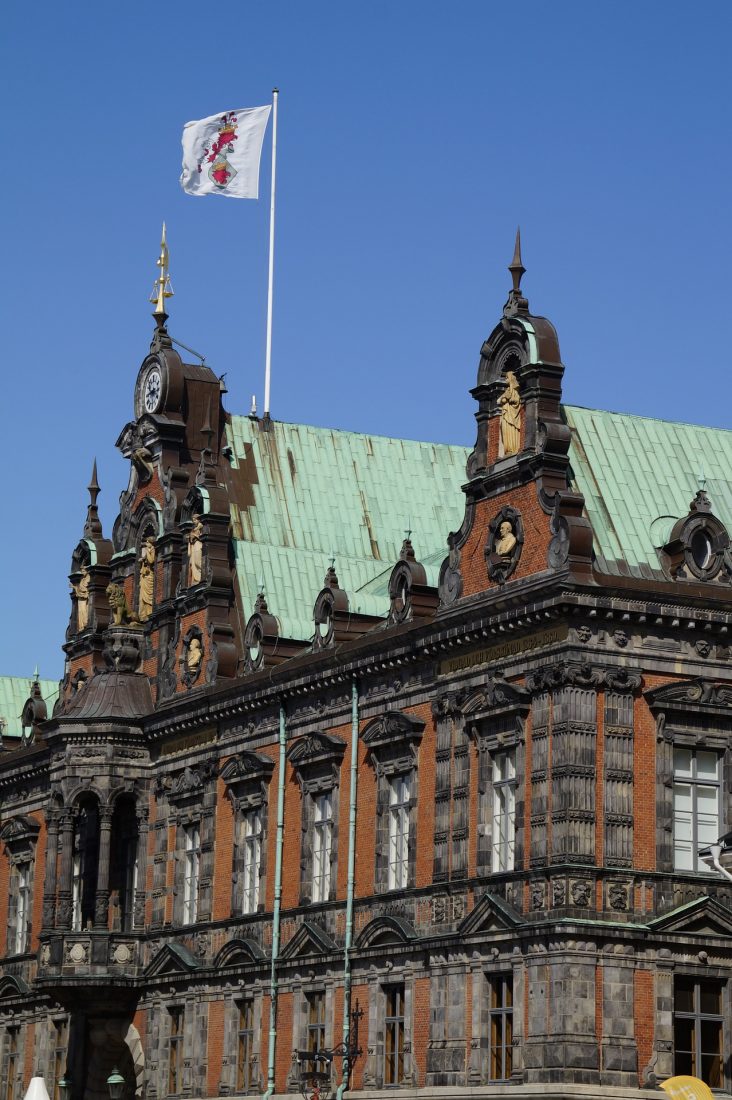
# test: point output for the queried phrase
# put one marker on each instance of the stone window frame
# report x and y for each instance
(723, 985)
(13, 1057)
(495, 716)
(393, 741)
(316, 759)
(20, 836)
(375, 1063)
(695, 783)
(693, 714)
(191, 796)
(503, 975)
(247, 777)
(175, 1041)
(59, 1030)
(301, 989)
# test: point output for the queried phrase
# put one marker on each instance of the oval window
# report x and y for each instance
(701, 549)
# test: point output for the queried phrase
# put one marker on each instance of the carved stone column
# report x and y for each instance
(138, 907)
(63, 911)
(49, 885)
(101, 898)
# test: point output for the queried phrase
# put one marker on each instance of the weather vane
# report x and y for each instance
(162, 287)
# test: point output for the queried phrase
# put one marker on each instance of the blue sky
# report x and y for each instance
(414, 136)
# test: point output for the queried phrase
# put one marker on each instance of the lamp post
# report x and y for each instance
(712, 855)
(64, 1086)
(116, 1085)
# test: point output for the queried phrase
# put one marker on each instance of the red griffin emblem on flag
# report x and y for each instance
(221, 172)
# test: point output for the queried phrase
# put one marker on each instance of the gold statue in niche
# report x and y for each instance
(195, 552)
(147, 579)
(82, 599)
(510, 405)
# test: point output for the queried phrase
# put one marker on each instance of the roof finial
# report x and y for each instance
(162, 287)
(93, 526)
(516, 302)
(516, 268)
(701, 480)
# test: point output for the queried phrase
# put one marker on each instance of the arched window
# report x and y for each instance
(123, 868)
(85, 863)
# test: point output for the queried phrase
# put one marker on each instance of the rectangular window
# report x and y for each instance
(399, 796)
(60, 1038)
(698, 1025)
(316, 1022)
(504, 810)
(500, 993)
(192, 865)
(175, 1051)
(322, 844)
(245, 1047)
(394, 1035)
(12, 1036)
(252, 842)
(22, 911)
(696, 805)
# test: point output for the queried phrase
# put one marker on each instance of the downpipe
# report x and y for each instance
(350, 891)
(273, 985)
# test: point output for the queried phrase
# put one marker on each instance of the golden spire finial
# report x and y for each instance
(162, 287)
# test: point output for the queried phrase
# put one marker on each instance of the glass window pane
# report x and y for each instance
(684, 995)
(711, 1036)
(707, 764)
(710, 999)
(682, 762)
(711, 1066)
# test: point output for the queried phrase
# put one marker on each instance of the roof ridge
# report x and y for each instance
(641, 416)
(362, 435)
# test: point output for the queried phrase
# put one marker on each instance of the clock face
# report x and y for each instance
(153, 387)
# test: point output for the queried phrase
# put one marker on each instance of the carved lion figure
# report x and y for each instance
(118, 603)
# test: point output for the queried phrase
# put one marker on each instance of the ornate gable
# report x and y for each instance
(491, 914)
(310, 939)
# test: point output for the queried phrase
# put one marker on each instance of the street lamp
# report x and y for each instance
(712, 855)
(64, 1087)
(115, 1084)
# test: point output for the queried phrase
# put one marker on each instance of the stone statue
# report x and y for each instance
(506, 539)
(147, 579)
(118, 603)
(82, 599)
(510, 406)
(195, 552)
(194, 655)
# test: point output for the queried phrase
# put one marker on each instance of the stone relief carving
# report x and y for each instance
(580, 893)
(619, 896)
(504, 545)
(118, 604)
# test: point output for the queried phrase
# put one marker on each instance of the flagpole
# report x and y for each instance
(268, 354)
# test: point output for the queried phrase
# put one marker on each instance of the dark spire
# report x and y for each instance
(516, 268)
(93, 525)
(516, 302)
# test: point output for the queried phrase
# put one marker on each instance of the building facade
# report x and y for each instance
(439, 810)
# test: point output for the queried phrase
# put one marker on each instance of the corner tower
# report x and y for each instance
(521, 517)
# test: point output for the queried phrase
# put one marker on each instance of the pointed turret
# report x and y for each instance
(516, 302)
(93, 525)
(162, 289)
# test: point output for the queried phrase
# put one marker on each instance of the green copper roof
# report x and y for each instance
(14, 693)
(303, 495)
(638, 476)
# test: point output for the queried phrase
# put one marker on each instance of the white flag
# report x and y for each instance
(221, 154)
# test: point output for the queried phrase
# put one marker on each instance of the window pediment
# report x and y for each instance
(247, 774)
(19, 835)
(691, 695)
(393, 727)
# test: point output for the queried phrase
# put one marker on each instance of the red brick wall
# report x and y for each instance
(224, 852)
(644, 1011)
(536, 538)
(215, 1052)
